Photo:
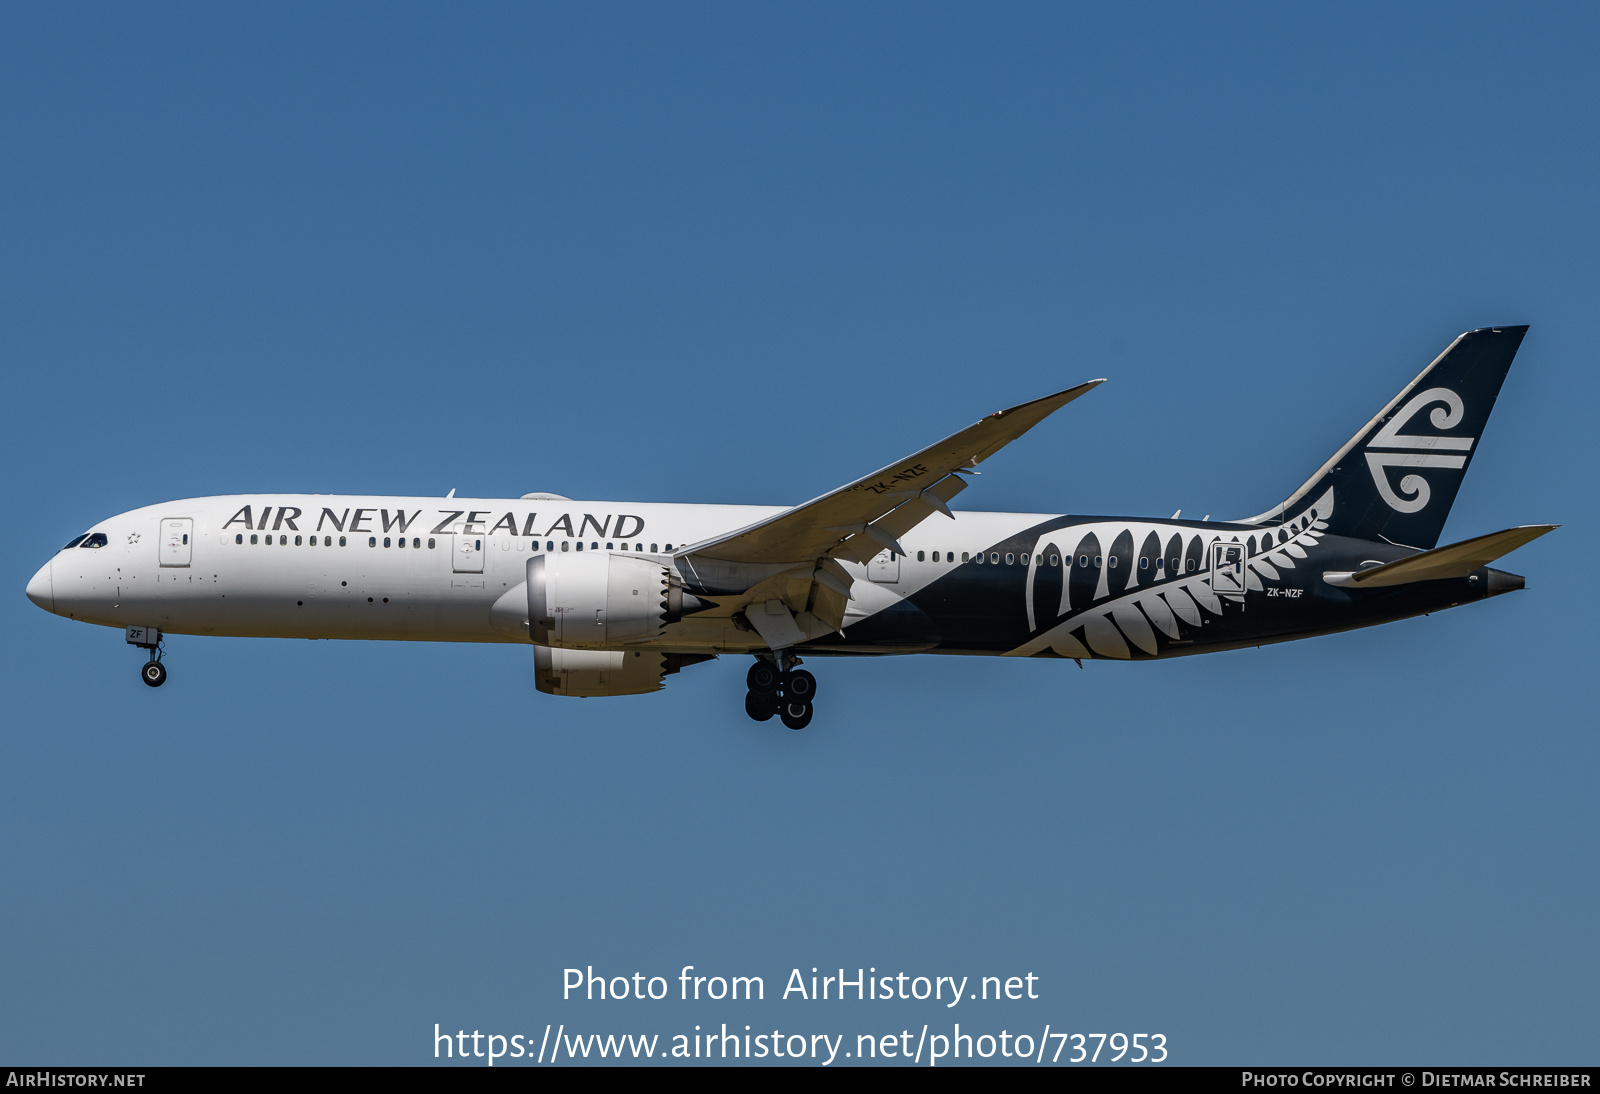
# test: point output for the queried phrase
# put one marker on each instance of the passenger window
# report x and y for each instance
(1055, 560)
(669, 546)
(921, 556)
(341, 541)
(283, 541)
(950, 556)
(594, 546)
(964, 557)
(624, 546)
(478, 544)
(550, 546)
(1098, 559)
(186, 537)
(1144, 564)
(566, 545)
(1024, 558)
(1083, 560)
(1112, 562)
(297, 542)
(580, 545)
(416, 544)
(610, 547)
(372, 541)
(252, 539)
(430, 543)
(994, 558)
(1011, 559)
(654, 550)
(239, 538)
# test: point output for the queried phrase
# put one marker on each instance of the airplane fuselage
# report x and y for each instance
(1021, 584)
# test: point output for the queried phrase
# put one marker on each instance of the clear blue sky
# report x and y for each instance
(744, 254)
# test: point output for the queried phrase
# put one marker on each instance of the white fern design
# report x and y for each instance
(1131, 619)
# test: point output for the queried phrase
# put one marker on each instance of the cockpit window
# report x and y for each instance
(94, 539)
(75, 541)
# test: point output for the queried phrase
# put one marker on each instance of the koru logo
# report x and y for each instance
(1415, 451)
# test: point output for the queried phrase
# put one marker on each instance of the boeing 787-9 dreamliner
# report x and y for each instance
(614, 597)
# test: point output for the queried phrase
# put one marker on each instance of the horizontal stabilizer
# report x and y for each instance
(1453, 560)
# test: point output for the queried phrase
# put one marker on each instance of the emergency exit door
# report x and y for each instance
(176, 536)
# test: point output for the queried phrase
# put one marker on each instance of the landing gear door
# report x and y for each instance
(1227, 569)
(467, 555)
(177, 535)
(885, 566)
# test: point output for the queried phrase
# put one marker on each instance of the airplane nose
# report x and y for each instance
(41, 589)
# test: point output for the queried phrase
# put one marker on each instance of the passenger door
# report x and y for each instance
(1227, 568)
(466, 556)
(176, 536)
(885, 567)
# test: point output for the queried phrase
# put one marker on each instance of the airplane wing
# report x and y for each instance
(859, 520)
(1453, 560)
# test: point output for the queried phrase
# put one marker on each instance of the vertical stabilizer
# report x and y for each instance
(1396, 479)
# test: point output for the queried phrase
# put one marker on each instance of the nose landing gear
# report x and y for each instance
(786, 691)
(152, 672)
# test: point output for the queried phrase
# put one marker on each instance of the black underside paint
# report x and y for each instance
(981, 608)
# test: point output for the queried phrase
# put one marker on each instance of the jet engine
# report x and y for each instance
(596, 600)
(597, 672)
(587, 673)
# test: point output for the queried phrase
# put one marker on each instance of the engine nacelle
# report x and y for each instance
(598, 672)
(596, 600)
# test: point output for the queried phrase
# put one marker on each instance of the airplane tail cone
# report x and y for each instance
(1502, 582)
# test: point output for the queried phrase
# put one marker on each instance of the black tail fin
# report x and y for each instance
(1397, 478)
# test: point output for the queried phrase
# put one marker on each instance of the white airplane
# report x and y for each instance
(614, 597)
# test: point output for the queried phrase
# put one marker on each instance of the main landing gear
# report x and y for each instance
(785, 691)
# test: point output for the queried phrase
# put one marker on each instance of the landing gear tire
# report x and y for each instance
(795, 714)
(799, 686)
(760, 707)
(763, 678)
(154, 673)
